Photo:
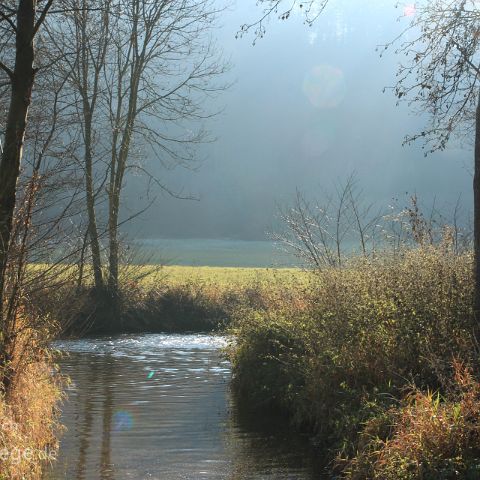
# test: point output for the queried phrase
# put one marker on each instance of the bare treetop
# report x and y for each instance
(440, 70)
(282, 9)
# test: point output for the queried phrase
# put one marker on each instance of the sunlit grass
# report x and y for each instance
(346, 349)
(173, 275)
(225, 277)
(29, 411)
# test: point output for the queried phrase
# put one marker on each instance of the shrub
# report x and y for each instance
(178, 308)
(431, 437)
(361, 334)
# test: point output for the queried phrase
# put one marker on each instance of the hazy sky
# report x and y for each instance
(306, 110)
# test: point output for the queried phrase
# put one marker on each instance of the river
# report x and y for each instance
(159, 406)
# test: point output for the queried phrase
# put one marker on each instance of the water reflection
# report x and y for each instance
(263, 447)
(159, 407)
(106, 467)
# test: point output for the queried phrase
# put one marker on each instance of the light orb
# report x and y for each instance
(325, 87)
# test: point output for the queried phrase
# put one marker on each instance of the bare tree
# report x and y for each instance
(441, 76)
(322, 233)
(164, 65)
(328, 232)
(19, 24)
(282, 9)
(93, 37)
(141, 72)
(80, 37)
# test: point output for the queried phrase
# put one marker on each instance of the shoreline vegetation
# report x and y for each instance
(376, 360)
(30, 408)
(165, 298)
(373, 354)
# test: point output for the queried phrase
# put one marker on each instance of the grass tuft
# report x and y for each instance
(29, 412)
(342, 355)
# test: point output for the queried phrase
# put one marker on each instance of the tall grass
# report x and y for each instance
(429, 436)
(29, 412)
(347, 348)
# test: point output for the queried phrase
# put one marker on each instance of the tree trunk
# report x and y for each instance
(90, 194)
(22, 80)
(113, 290)
(113, 244)
(476, 215)
(116, 182)
(81, 262)
(89, 101)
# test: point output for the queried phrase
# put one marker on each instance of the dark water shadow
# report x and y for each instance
(267, 435)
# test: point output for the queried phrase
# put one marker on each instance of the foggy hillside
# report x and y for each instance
(305, 111)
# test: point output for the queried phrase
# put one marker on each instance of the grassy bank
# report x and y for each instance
(29, 412)
(169, 299)
(377, 361)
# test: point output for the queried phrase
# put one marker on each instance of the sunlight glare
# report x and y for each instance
(410, 10)
(324, 86)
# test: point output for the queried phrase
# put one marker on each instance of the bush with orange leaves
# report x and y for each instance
(340, 363)
(29, 409)
(430, 437)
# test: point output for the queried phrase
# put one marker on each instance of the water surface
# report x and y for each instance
(211, 253)
(160, 407)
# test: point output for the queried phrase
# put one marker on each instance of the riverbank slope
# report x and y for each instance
(377, 360)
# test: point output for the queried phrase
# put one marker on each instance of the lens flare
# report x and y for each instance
(409, 10)
(122, 421)
(325, 87)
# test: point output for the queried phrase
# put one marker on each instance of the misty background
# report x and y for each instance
(305, 110)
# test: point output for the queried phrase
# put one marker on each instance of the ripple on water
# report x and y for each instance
(159, 406)
(147, 344)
